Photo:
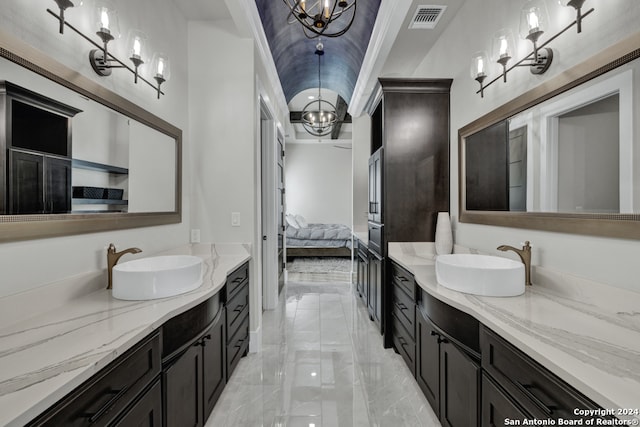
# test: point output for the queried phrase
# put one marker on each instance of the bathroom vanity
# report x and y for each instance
(568, 353)
(95, 360)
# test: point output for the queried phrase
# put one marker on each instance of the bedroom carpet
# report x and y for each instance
(319, 270)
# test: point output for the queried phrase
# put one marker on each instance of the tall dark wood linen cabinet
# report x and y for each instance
(410, 133)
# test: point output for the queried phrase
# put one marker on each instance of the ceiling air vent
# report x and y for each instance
(426, 17)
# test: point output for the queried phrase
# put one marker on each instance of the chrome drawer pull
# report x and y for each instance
(117, 394)
(526, 390)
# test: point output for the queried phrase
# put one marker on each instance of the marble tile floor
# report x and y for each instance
(322, 364)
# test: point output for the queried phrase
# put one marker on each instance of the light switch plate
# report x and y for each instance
(235, 219)
(195, 235)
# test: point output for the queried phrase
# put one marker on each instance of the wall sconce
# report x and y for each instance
(106, 21)
(479, 64)
(161, 69)
(577, 5)
(64, 5)
(533, 21)
(102, 62)
(503, 49)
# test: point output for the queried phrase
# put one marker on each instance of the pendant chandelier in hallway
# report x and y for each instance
(316, 16)
(319, 116)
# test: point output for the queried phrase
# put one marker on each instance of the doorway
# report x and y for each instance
(272, 204)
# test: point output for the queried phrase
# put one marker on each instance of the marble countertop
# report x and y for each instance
(363, 236)
(587, 334)
(48, 353)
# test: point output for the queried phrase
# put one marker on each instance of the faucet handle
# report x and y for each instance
(526, 245)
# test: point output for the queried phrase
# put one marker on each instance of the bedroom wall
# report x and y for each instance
(605, 260)
(318, 180)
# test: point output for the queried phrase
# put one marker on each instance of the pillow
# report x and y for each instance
(291, 220)
(301, 221)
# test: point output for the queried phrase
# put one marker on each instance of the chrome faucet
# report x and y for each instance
(525, 256)
(112, 260)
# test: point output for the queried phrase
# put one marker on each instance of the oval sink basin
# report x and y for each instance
(156, 277)
(480, 274)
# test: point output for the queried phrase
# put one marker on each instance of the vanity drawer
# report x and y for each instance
(535, 388)
(236, 279)
(237, 310)
(404, 280)
(405, 345)
(102, 398)
(237, 347)
(404, 309)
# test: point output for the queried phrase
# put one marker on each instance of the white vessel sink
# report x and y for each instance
(156, 277)
(480, 274)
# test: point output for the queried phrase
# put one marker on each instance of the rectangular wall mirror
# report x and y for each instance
(76, 157)
(563, 156)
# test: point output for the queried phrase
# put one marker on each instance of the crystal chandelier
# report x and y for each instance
(317, 15)
(319, 116)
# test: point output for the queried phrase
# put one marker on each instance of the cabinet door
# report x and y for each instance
(497, 406)
(372, 188)
(366, 281)
(183, 389)
(459, 385)
(146, 412)
(428, 362)
(377, 165)
(377, 312)
(373, 286)
(213, 360)
(57, 173)
(26, 183)
(361, 277)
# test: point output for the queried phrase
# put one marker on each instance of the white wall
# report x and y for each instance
(361, 151)
(221, 99)
(29, 264)
(318, 179)
(610, 261)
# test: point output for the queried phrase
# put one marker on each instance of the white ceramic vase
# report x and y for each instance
(444, 236)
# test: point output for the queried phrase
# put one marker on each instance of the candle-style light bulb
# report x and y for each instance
(534, 24)
(504, 47)
(104, 19)
(327, 12)
(137, 47)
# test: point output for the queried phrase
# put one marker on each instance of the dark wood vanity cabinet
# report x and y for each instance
(516, 385)
(469, 374)
(126, 392)
(237, 324)
(173, 377)
(194, 378)
(448, 361)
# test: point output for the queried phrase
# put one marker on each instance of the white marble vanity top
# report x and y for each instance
(587, 334)
(47, 353)
(363, 236)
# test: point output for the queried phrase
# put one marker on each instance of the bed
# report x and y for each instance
(317, 240)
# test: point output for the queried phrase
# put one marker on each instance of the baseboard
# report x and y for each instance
(255, 340)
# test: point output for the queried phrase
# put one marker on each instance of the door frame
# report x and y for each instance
(268, 203)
